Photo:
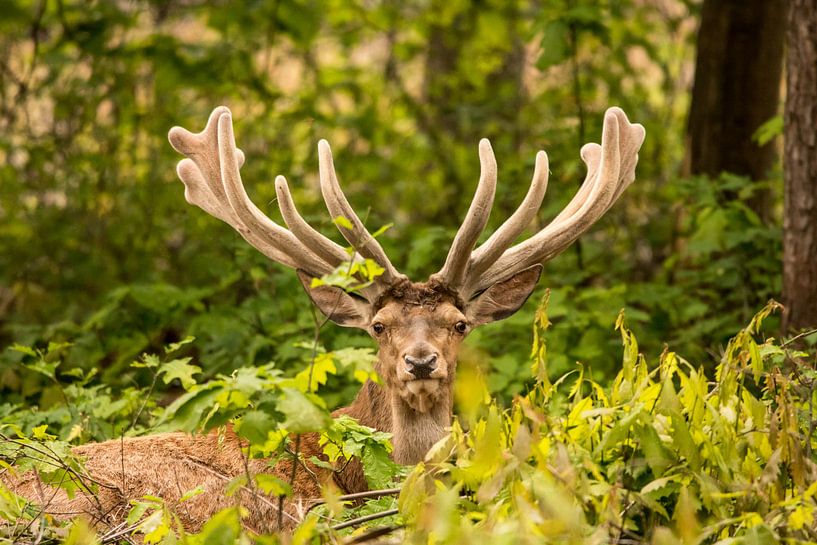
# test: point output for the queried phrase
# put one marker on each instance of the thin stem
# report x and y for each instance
(367, 518)
(800, 336)
(359, 496)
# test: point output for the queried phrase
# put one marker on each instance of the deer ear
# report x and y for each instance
(503, 298)
(337, 305)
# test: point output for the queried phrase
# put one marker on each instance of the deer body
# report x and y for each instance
(419, 327)
(165, 465)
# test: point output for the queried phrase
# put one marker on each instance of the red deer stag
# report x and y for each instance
(418, 326)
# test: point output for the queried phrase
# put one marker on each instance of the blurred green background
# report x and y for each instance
(99, 248)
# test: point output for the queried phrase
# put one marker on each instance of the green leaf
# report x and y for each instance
(760, 535)
(223, 528)
(341, 221)
(24, 350)
(768, 130)
(148, 361)
(190, 494)
(188, 411)
(272, 485)
(301, 412)
(682, 440)
(316, 374)
(81, 533)
(179, 369)
(554, 45)
(43, 367)
(658, 457)
(382, 229)
(378, 467)
(173, 347)
(39, 433)
(255, 426)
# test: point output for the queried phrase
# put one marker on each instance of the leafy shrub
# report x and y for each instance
(666, 454)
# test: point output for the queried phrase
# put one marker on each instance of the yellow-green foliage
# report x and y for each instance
(663, 455)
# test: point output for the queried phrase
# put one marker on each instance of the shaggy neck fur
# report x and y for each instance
(414, 432)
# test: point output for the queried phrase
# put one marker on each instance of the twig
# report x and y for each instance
(359, 495)
(799, 336)
(119, 532)
(145, 401)
(373, 534)
(367, 518)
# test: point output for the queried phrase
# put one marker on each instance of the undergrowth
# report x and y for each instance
(665, 454)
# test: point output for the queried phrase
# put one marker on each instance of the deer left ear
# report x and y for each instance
(503, 298)
(337, 305)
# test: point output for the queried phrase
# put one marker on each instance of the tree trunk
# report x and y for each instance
(800, 166)
(737, 88)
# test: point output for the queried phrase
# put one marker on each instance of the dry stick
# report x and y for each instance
(51, 499)
(367, 518)
(40, 531)
(302, 463)
(799, 336)
(246, 461)
(120, 531)
(145, 401)
(377, 533)
(359, 496)
(122, 462)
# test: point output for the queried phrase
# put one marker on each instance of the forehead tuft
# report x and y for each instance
(425, 294)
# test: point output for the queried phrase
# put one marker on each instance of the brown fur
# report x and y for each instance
(419, 319)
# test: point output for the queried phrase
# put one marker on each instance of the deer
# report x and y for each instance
(418, 326)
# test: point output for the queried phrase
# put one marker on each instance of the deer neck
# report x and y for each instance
(413, 431)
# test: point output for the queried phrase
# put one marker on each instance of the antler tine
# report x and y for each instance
(213, 183)
(611, 168)
(502, 238)
(203, 191)
(476, 218)
(338, 206)
(325, 248)
(332, 253)
(196, 193)
(253, 218)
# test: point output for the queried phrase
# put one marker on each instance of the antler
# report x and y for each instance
(610, 170)
(212, 182)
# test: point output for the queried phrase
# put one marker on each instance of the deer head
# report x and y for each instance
(418, 326)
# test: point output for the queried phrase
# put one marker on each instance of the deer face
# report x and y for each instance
(420, 327)
(419, 336)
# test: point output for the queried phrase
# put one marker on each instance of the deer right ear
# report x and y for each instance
(337, 305)
(503, 298)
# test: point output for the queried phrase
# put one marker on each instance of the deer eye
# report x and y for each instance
(460, 327)
(378, 328)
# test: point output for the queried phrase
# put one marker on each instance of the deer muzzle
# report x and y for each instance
(422, 367)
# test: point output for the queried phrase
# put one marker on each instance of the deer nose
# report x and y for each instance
(421, 367)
